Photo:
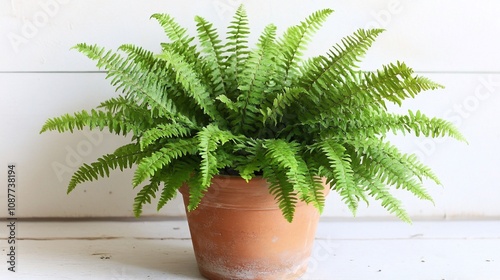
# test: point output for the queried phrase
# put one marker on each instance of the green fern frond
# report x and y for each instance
(286, 156)
(95, 119)
(379, 191)
(252, 160)
(280, 103)
(281, 189)
(163, 131)
(174, 149)
(295, 41)
(116, 104)
(160, 81)
(187, 76)
(315, 196)
(123, 157)
(236, 48)
(229, 104)
(145, 195)
(209, 139)
(331, 73)
(432, 127)
(378, 123)
(343, 176)
(392, 167)
(177, 174)
(127, 76)
(395, 83)
(172, 29)
(256, 75)
(213, 50)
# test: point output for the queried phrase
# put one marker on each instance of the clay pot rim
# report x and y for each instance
(233, 195)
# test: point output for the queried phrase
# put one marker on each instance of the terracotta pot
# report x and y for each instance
(238, 232)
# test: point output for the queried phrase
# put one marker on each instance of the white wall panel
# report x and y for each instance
(445, 35)
(45, 162)
(454, 40)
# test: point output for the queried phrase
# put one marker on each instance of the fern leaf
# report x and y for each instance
(95, 119)
(237, 48)
(187, 76)
(332, 73)
(392, 167)
(210, 139)
(212, 48)
(174, 149)
(163, 131)
(116, 104)
(229, 104)
(395, 83)
(123, 157)
(282, 190)
(127, 76)
(280, 103)
(372, 122)
(343, 175)
(286, 156)
(145, 195)
(172, 29)
(160, 79)
(295, 41)
(175, 176)
(253, 159)
(315, 195)
(256, 74)
(379, 191)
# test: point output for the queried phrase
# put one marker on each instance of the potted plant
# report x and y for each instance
(244, 132)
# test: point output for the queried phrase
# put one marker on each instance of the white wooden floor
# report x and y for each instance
(353, 249)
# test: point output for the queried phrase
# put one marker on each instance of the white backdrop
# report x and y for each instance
(454, 42)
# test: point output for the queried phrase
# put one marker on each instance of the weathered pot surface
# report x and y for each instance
(238, 232)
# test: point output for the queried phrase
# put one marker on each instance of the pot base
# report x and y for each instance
(249, 271)
(238, 232)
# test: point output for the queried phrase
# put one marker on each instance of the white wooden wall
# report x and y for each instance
(454, 42)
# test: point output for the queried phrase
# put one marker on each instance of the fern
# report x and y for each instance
(192, 85)
(236, 49)
(341, 175)
(163, 131)
(215, 105)
(285, 155)
(126, 76)
(175, 176)
(380, 191)
(394, 168)
(282, 190)
(209, 139)
(212, 48)
(257, 73)
(124, 157)
(95, 119)
(295, 40)
(395, 83)
(145, 195)
(172, 29)
(148, 166)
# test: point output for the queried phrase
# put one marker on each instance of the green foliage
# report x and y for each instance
(205, 105)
